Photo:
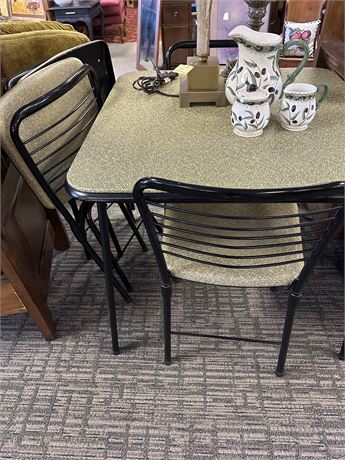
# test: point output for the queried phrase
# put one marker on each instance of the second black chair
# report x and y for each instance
(191, 44)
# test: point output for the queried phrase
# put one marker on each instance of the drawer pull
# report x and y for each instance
(175, 14)
(70, 12)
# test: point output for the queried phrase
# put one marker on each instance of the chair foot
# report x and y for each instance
(279, 373)
(167, 362)
(290, 314)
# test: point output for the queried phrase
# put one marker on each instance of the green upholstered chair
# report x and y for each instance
(27, 43)
(245, 238)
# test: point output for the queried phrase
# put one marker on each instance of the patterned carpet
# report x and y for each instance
(72, 399)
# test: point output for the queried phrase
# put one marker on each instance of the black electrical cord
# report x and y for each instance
(151, 85)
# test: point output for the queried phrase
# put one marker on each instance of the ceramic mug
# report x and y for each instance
(250, 112)
(299, 105)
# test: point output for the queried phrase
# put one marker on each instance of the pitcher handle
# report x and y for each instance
(305, 58)
(325, 93)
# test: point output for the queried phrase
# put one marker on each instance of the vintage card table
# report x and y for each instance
(138, 135)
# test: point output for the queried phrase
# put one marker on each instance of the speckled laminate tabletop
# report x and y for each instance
(138, 135)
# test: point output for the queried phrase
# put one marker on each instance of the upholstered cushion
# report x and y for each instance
(15, 27)
(26, 91)
(304, 31)
(255, 277)
(112, 7)
(23, 50)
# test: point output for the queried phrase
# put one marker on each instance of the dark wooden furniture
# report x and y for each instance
(177, 24)
(28, 235)
(79, 11)
(330, 52)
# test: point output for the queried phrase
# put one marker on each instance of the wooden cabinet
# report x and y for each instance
(330, 52)
(177, 24)
(29, 233)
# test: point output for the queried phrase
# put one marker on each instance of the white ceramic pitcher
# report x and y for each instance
(257, 62)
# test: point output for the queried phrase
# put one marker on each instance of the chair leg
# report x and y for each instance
(341, 352)
(117, 267)
(121, 28)
(166, 294)
(131, 223)
(130, 208)
(290, 314)
(95, 257)
(79, 215)
(114, 238)
(125, 27)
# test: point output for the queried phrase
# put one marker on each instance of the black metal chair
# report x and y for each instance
(234, 237)
(44, 121)
(191, 44)
(95, 53)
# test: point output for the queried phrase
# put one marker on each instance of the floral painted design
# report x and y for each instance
(299, 34)
(294, 115)
(254, 119)
(249, 72)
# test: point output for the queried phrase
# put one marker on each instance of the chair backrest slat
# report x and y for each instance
(49, 129)
(224, 230)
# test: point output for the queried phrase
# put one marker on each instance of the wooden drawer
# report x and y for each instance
(176, 14)
(171, 36)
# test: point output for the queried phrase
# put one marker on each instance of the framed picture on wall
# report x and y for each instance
(26, 9)
(149, 16)
(4, 8)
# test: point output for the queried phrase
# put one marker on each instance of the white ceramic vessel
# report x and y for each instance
(63, 2)
(250, 112)
(257, 62)
(299, 105)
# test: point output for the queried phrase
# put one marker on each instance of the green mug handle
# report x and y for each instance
(325, 93)
(304, 46)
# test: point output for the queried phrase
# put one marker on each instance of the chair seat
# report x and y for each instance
(278, 275)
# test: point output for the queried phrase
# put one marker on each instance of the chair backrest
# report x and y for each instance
(191, 44)
(25, 49)
(44, 120)
(95, 53)
(180, 229)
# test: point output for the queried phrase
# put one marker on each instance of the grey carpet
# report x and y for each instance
(72, 399)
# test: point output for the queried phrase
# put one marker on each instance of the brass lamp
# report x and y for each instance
(203, 83)
(256, 13)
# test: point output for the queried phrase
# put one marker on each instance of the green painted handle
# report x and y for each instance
(325, 93)
(304, 46)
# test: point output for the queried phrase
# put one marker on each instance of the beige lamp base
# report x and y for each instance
(204, 75)
(189, 98)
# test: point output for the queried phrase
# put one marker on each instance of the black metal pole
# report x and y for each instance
(109, 289)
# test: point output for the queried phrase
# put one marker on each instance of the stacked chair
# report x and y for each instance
(45, 116)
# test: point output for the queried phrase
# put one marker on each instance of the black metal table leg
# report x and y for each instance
(109, 288)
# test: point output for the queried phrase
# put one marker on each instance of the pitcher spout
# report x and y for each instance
(260, 40)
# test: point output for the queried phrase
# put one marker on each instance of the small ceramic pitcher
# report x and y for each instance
(299, 105)
(250, 112)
